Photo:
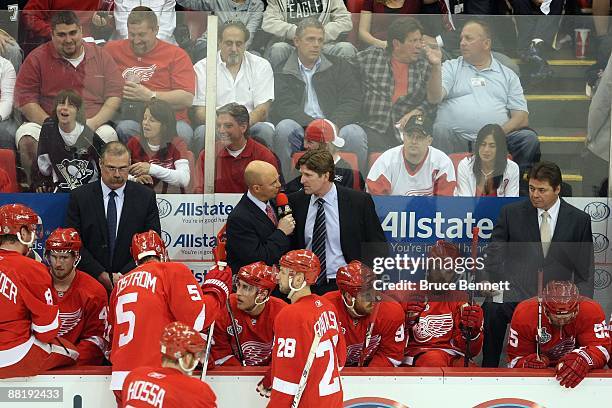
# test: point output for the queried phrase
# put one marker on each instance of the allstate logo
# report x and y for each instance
(167, 238)
(600, 242)
(372, 402)
(602, 279)
(598, 211)
(164, 207)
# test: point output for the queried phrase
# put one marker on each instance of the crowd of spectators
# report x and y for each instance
(289, 63)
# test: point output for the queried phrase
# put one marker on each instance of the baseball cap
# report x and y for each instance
(323, 131)
(420, 123)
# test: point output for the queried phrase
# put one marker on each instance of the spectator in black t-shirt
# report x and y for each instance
(68, 150)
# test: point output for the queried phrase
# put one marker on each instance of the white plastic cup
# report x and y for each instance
(582, 41)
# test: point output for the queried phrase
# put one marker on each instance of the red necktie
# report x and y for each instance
(270, 214)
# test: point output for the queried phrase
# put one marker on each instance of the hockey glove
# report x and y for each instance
(218, 281)
(413, 312)
(531, 361)
(472, 319)
(572, 368)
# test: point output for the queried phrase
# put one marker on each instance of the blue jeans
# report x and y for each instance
(8, 127)
(290, 139)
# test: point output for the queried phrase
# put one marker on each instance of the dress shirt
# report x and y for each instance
(554, 214)
(311, 106)
(118, 200)
(333, 250)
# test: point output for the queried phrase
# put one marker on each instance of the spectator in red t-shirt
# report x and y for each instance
(373, 28)
(159, 157)
(153, 69)
(235, 150)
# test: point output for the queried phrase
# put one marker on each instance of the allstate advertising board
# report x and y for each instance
(190, 223)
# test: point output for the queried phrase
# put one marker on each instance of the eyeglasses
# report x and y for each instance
(113, 169)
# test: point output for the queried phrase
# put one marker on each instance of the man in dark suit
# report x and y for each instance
(254, 233)
(545, 233)
(351, 227)
(106, 227)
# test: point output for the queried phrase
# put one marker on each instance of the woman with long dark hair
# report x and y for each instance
(488, 172)
(159, 156)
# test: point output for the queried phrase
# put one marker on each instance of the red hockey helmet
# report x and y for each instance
(355, 277)
(179, 339)
(560, 298)
(64, 240)
(259, 274)
(304, 261)
(148, 244)
(444, 249)
(15, 216)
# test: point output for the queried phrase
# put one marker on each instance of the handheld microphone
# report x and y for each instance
(282, 206)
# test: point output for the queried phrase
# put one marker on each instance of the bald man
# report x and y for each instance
(254, 232)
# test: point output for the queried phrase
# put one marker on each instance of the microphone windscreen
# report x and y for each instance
(282, 200)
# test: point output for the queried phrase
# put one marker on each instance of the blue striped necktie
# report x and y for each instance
(319, 236)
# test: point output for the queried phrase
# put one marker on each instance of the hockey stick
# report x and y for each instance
(235, 333)
(207, 353)
(368, 338)
(304, 377)
(468, 340)
(540, 290)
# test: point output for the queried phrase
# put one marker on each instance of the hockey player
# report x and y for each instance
(573, 337)
(152, 295)
(171, 385)
(82, 300)
(377, 327)
(440, 321)
(309, 349)
(253, 311)
(29, 321)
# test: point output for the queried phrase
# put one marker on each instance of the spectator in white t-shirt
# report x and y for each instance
(243, 78)
(488, 172)
(8, 126)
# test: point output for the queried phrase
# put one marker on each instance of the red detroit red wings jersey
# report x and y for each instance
(166, 67)
(26, 306)
(588, 331)
(165, 387)
(294, 331)
(386, 347)
(438, 328)
(146, 300)
(82, 310)
(256, 334)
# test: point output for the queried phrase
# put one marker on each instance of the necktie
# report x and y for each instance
(270, 214)
(446, 15)
(111, 221)
(545, 235)
(319, 236)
